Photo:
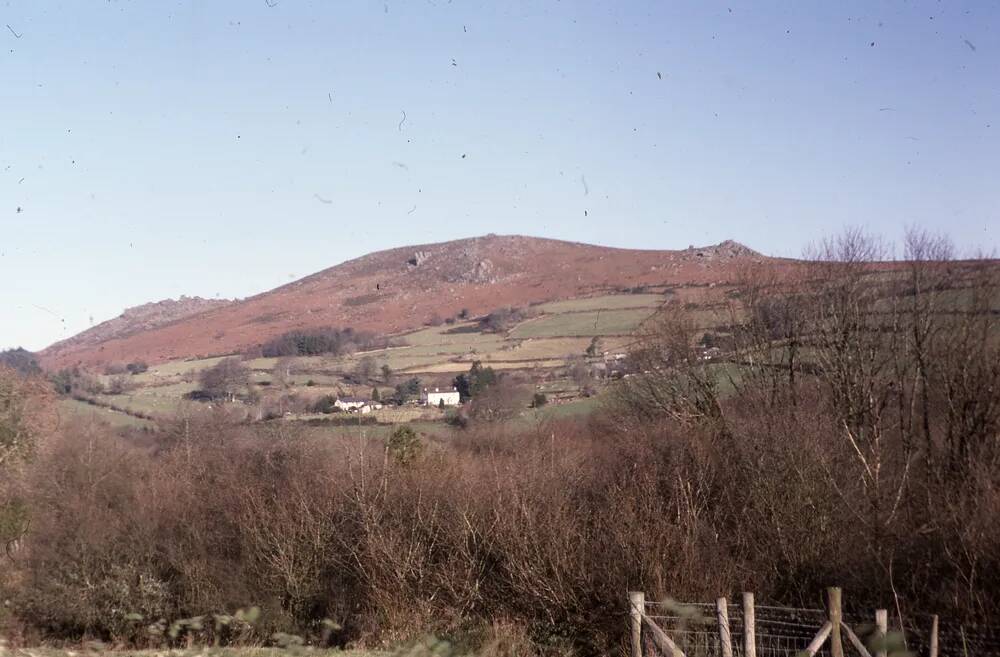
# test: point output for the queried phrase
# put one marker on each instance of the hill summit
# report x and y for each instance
(144, 317)
(394, 291)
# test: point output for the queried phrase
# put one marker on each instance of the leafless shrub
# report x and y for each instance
(500, 401)
(112, 369)
(119, 385)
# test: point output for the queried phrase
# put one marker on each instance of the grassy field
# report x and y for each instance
(588, 323)
(77, 412)
(442, 335)
(173, 390)
(549, 348)
(463, 366)
(426, 347)
(535, 348)
(402, 361)
(149, 401)
(575, 408)
(302, 379)
(175, 368)
(607, 302)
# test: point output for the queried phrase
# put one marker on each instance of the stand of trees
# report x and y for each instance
(406, 391)
(503, 319)
(224, 380)
(475, 381)
(316, 342)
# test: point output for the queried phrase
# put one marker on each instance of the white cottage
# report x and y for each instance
(436, 396)
(359, 404)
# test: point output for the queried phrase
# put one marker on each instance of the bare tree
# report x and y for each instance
(281, 374)
(847, 337)
(365, 369)
(499, 402)
(919, 324)
(768, 322)
(670, 380)
(578, 371)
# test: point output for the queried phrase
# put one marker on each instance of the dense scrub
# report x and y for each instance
(504, 319)
(849, 437)
(21, 360)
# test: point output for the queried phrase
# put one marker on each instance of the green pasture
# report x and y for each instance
(608, 302)
(143, 401)
(72, 411)
(588, 323)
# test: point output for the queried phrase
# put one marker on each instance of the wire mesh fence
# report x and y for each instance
(954, 639)
(694, 627)
(788, 631)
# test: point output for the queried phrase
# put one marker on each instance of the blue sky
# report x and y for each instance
(221, 148)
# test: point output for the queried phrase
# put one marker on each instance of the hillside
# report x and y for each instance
(394, 291)
(146, 317)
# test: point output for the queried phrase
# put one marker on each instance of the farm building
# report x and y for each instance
(436, 396)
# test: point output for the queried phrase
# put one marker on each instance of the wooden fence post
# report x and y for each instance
(749, 636)
(636, 608)
(934, 636)
(882, 630)
(818, 640)
(725, 638)
(833, 596)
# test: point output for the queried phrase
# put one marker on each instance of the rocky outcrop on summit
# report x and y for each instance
(726, 249)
